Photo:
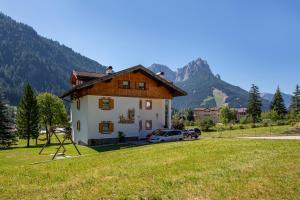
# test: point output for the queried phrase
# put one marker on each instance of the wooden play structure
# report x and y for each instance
(67, 136)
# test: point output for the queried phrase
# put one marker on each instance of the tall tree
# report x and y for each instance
(254, 103)
(277, 104)
(7, 136)
(28, 115)
(295, 104)
(52, 112)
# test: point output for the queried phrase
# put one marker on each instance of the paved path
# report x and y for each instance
(275, 138)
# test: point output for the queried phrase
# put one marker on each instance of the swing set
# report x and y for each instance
(67, 136)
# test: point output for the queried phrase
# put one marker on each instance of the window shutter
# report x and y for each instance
(111, 127)
(141, 104)
(120, 84)
(100, 103)
(101, 127)
(111, 103)
(146, 86)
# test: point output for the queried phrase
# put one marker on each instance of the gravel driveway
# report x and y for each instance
(274, 138)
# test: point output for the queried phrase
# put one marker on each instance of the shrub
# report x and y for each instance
(178, 124)
(206, 124)
(241, 126)
(253, 125)
(121, 136)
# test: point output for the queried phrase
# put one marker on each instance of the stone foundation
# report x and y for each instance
(95, 142)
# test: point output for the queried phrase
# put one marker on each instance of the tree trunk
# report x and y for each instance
(47, 134)
(36, 141)
(28, 139)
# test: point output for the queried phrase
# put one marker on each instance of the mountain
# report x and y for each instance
(169, 74)
(204, 88)
(26, 56)
(286, 97)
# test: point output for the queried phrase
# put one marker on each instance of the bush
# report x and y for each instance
(241, 126)
(121, 136)
(206, 124)
(253, 125)
(178, 124)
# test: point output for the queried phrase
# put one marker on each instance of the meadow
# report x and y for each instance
(213, 167)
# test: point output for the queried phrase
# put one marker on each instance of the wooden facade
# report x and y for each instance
(111, 87)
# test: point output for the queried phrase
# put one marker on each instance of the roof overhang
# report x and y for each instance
(176, 91)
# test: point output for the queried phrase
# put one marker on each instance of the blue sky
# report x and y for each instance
(246, 42)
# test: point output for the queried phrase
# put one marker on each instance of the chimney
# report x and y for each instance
(109, 70)
(161, 74)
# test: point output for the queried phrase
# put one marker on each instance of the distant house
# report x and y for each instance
(214, 113)
(134, 101)
(203, 113)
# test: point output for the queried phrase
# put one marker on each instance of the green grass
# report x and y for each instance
(209, 168)
(260, 131)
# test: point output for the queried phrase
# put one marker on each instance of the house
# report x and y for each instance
(203, 113)
(214, 113)
(134, 101)
(240, 113)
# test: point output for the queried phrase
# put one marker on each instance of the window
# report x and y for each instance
(78, 125)
(141, 104)
(148, 104)
(78, 104)
(124, 84)
(148, 124)
(106, 127)
(141, 86)
(106, 103)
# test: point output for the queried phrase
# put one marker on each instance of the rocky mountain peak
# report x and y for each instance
(195, 67)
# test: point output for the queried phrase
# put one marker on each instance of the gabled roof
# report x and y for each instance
(88, 74)
(176, 90)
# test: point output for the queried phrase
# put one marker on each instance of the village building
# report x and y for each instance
(134, 102)
(214, 113)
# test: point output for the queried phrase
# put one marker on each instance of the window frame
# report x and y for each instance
(105, 104)
(78, 125)
(122, 86)
(139, 87)
(148, 107)
(150, 122)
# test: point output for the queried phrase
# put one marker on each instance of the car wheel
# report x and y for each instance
(162, 141)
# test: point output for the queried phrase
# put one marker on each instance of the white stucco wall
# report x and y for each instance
(90, 116)
(82, 116)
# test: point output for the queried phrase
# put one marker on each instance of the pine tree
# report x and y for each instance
(7, 136)
(254, 103)
(28, 115)
(295, 104)
(277, 104)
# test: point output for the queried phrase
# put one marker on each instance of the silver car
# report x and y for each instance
(167, 136)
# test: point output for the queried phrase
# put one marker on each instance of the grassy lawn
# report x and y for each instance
(209, 168)
(260, 131)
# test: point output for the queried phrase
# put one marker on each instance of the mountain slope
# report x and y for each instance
(26, 56)
(205, 89)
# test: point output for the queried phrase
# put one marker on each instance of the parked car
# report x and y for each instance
(167, 136)
(192, 133)
(153, 133)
